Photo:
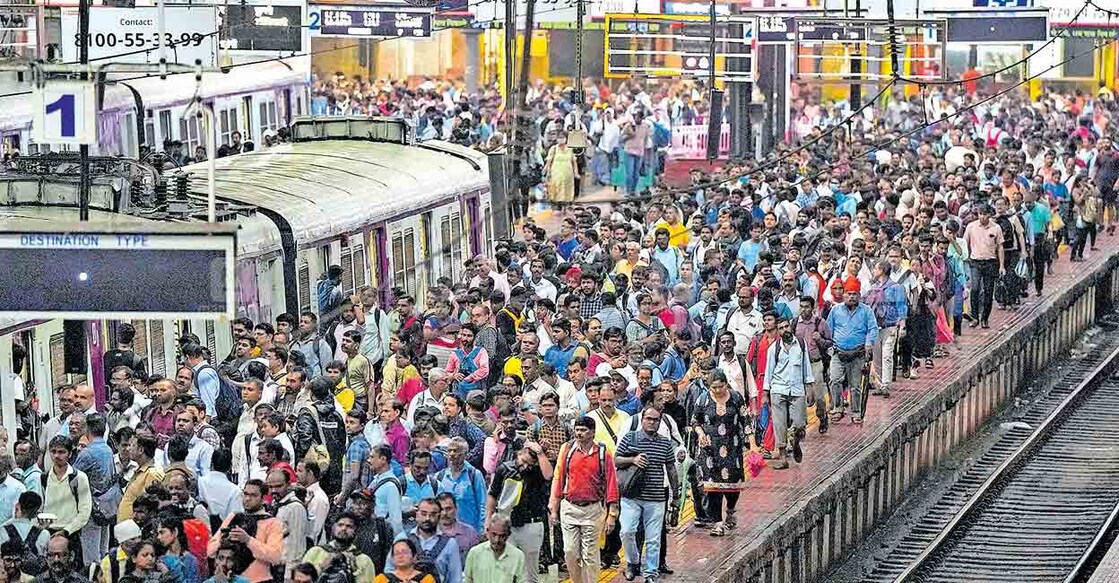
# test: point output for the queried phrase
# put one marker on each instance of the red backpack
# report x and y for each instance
(197, 535)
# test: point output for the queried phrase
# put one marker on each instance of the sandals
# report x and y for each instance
(730, 522)
(767, 455)
(856, 420)
(718, 530)
(928, 363)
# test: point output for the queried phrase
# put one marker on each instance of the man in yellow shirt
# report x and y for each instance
(142, 451)
(610, 422)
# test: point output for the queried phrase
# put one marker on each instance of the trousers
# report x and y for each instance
(788, 413)
(886, 349)
(984, 273)
(528, 539)
(847, 375)
(648, 515)
(581, 525)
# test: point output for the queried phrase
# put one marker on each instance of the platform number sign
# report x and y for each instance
(65, 112)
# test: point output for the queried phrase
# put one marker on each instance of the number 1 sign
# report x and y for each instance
(65, 113)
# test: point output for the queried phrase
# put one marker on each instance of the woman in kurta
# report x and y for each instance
(561, 170)
(724, 429)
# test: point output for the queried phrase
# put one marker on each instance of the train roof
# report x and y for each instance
(328, 187)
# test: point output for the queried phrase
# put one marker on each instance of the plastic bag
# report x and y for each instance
(1022, 270)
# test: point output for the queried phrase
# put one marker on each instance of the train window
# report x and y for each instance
(247, 104)
(487, 225)
(359, 267)
(140, 343)
(425, 245)
(158, 358)
(457, 242)
(404, 260)
(268, 117)
(128, 135)
(149, 130)
(347, 272)
(164, 129)
(227, 121)
(304, 277)
(190, 132)
(447, 244)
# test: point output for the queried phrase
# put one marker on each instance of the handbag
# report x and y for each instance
(1022, 270)
(511, 491)
(631, 478)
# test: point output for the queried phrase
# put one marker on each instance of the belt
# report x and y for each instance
(532, 520)
(583, 504)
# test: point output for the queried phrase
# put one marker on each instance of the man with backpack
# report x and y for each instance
(788, 376)
(320, 432)
(465, 482)
(24, 529)
(96, 461)
(528, 509)
(223, 401)
(386, 487)
(341, 546)
(124, 354)
(584, 488)
(292, 514)
(438, 553)
(67, 494)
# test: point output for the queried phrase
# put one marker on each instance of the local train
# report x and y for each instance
(354, 192)
(148, 111)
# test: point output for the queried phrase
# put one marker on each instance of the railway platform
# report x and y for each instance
(793, 523)
(1108, 569)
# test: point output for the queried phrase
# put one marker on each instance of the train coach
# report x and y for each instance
(353, 192)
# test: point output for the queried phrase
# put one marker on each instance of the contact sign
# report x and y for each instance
(132, 35)
(369, 22)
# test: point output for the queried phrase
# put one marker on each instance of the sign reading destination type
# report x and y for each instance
(86, 272)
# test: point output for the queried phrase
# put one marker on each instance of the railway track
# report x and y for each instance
(1040, 514)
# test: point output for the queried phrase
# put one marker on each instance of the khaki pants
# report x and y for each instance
(581, 525)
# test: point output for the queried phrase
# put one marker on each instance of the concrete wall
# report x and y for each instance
(824, 527)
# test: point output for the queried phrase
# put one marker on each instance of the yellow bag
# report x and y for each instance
(1057, 222)
(345, 398)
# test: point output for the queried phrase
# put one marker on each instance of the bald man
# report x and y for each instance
(84, 400)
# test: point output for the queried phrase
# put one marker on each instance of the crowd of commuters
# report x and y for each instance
(575, 385)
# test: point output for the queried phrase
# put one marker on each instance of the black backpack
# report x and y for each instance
(33, 562)
(228, 406)
(425, 562)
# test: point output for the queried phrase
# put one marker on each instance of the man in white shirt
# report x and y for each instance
(438, 381)
(221, 496)
(541, 287)
(318, 503)
(745, 321)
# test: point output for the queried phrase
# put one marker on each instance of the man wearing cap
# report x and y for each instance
(584, 487)
(854, 332)
(373, 534)
(128, 535)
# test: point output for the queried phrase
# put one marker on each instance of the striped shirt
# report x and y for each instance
(659, 452)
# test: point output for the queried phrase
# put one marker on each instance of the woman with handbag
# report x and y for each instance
(723, 428)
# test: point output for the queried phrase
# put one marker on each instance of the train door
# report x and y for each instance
(473, 219)
(248, 304)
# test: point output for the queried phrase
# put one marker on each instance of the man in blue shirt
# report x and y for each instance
(438, 548)
(854, 332)
(887, 300)
(748, 251)
(465, 483)
(385, 487)
(96, 461)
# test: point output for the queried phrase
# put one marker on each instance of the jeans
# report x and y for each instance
(649, 516)
(600, 166)
(1011, 282)
(634, 164)
(788, 413)
(847, 375)
(528, 539)
(983, 275)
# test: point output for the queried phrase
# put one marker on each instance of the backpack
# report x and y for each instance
(396, 481)
(502, 352)
(198, 535)
(662, 136)
(425, 562)
(33, 562)
(73, 485)
(567, 465)
(228, 405)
